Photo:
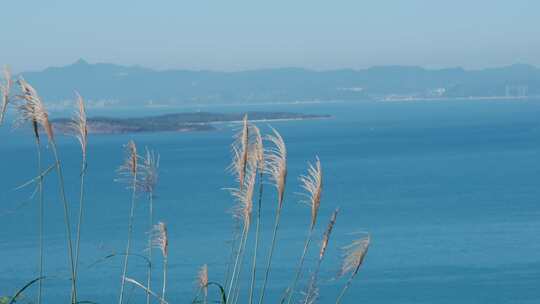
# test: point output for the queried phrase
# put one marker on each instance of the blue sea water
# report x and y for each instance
(450, 192)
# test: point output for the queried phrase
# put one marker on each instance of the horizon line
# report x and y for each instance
(82, 61)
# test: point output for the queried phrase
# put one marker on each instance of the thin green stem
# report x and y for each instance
(237, 282)
(67, 221)
(151, 221)
(345, 288)
(314, 280)
(128, 245)
(231, 257)
(164, 279)
(81, 212)
(233, 276)
(300, 265)
(257, 231)
(272, 247)
(41, 219)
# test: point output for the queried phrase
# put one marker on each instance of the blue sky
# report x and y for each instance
(238, 35)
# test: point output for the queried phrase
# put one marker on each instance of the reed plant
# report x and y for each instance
(312, 183)
(260, 166)
(202, 282)
(355, 253)
(161, 241)
(242, 212)
(32, 109)
(128, 172)
(147, 184)
(312, 291)
(5, 89)
(80, 127)
(276, 168)
(256, 159)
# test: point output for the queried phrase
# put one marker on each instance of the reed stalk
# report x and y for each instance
(236, 290)
(66, 216)
(41, 212)
(276, 168)
(232, 282)
(244, 166)
(164, 279)
(147, 183)
(243, 210)
(236, 235)
(34, 110)
(259, 154)
(312, 287)
(129, 168)
(256, 246)
(79, 125)
(161, 240)
(149, 273)
(289, 293)
(312, 184)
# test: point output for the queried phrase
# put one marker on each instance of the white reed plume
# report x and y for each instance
(312, 183)
(355, 253)
(277, 164)
(240, 152)
(33, 110)
(128, 172)
(79, 125)
(161, 241)
(80, 128)
(149, 172)
(5, 90)
(244, 198)
(276, 168)
(202, 281)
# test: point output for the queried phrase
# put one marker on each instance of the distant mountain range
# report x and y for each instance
(107, 84)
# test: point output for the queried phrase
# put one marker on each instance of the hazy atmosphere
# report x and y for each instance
(244, 152)
(240, 35)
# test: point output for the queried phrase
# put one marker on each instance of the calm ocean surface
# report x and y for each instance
(450, 192)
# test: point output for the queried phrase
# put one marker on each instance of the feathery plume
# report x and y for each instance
(5, 90)
(202, 278)
(312, 183)
(258, 148)
(240, 152)
(244, 196)
(149, 172)
(276, 168)
(33, 110)
(327, 232)
(355, 254)
(129, 169)
(79, 124)
(161, 239)
(277, 164)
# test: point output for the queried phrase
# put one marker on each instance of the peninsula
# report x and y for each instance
(178, 122)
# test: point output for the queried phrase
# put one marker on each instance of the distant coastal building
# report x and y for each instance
(438, 92)
(517, 91)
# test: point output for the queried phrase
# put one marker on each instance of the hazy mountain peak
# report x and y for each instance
(80, 61)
